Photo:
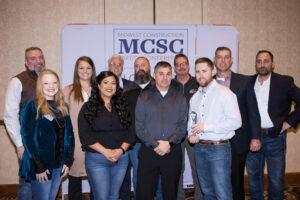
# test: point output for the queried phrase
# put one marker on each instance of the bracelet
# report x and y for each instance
(123, 150)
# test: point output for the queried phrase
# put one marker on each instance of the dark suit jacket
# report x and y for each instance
(131, 97)
(241, 86)
(282, 92)
(129, 85)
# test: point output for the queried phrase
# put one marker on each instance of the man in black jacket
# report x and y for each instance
(187, 85)
(248, 136)
(274, 93)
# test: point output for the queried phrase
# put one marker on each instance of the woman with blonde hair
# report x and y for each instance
(48, 138)
(75, 95)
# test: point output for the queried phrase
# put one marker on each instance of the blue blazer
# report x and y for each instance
(39, 139)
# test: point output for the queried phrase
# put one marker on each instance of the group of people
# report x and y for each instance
(102, 125)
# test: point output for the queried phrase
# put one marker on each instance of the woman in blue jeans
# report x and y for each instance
(104, 123)
(47, 135)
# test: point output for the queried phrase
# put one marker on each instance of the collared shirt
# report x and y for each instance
(144, 85)
(160, 118)
(11, 111)
(218, 110)
(262, 96)
(121, 83)
(224, 81)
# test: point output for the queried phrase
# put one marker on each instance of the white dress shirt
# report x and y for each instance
(262, 96)
(11, 111)
(218, 110)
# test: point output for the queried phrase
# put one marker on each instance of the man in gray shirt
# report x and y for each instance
(160, 121)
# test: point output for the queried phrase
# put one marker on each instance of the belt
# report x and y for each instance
(264, 130)
(211, 143)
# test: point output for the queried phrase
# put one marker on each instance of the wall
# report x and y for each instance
(273, 25)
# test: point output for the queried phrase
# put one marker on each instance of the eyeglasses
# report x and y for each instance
(179, 64)
(115, 64)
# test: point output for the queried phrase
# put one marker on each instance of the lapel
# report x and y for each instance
(272, 90)
(233, 82)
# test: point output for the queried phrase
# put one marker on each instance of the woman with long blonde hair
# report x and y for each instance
(76, 95)
(47, 136)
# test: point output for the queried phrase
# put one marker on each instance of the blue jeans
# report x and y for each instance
(273, 151)
(105, 177)
(133, 155)
(24, 189)
(49, 189)
(213, 165)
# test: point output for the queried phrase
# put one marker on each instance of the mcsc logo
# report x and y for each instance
(150, 46)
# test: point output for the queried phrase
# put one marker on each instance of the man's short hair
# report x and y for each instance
(32, 49)
(265, 51)
(222, 49)
(162, 64)
(205, 60)
(116, 56)
(179, 56)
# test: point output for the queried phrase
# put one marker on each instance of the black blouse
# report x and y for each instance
(105, 129)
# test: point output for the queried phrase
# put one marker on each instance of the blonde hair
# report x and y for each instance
(42, 101)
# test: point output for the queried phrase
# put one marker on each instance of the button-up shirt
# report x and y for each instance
(262, 96)
(218, 110)
(160, 117)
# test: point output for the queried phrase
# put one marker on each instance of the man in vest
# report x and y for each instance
(21, 88)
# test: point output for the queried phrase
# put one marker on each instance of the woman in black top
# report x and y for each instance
(103, 124)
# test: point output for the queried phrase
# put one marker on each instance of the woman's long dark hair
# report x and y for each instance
(117, 101)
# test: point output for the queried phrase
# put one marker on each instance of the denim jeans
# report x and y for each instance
(24, 190)
(273, 151)
(105, 177)
(213, 165)
(133, 155)
(49, 189)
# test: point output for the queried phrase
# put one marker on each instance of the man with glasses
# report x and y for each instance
(187, 85)
(115, 65)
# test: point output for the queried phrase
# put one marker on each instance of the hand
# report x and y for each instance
(285, 126)
(42, 177)
(163, 148)
(20, 151)
(65, 171)
(109, 155)
(193, 139)
(197, 128)
(117, 153)
(255, 145)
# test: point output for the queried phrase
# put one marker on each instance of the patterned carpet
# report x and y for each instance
(290, 193)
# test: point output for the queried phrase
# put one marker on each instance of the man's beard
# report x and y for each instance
(263, 71)
(142, 77)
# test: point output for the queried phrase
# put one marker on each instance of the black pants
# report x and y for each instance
(75, 188)
(151, 166)
(238, 162)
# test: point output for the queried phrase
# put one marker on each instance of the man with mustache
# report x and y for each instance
(187, 85)
(274, 94)
(21, 88)
(214, 116)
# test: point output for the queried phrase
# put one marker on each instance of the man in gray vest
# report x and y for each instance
(21, 88)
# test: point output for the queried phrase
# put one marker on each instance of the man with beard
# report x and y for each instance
(21, 88)
(274, 93)
(142, 77)
(214, 115)
(187, 85)
(248, 136)
(160, 123)
(115, 65)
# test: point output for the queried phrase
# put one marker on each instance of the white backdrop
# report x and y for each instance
(156, 42)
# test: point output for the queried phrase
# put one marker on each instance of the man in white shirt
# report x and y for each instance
(274, 94)
(214, 116)
(21, 88)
